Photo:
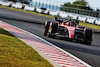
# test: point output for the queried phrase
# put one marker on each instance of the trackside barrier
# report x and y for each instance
(42, 10)
(90, 20)
(97, 21)
(0, 2)
(13, 5)
(47, 11)
(53, 13)
(63, 14)
(75, 16)
(82, 18)
(29, 8)
(17, 5)
(5, 3)
(38, 10)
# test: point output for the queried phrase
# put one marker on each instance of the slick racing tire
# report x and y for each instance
(88, 34)
(54, 29)
(46, 28)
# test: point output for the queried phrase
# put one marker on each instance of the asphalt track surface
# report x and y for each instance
(88, 53)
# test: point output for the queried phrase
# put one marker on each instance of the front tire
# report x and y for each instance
(53, 28)
(46, 28)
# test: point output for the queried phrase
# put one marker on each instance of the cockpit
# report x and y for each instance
(70, 23)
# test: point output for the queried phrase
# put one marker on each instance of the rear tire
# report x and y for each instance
(88, 36)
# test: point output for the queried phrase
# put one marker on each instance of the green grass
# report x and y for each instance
(89, 25)
(81, 23)
(15, 53)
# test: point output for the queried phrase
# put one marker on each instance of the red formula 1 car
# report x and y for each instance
(68, 28)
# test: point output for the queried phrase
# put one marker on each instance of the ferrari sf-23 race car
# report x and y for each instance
(68, 29)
